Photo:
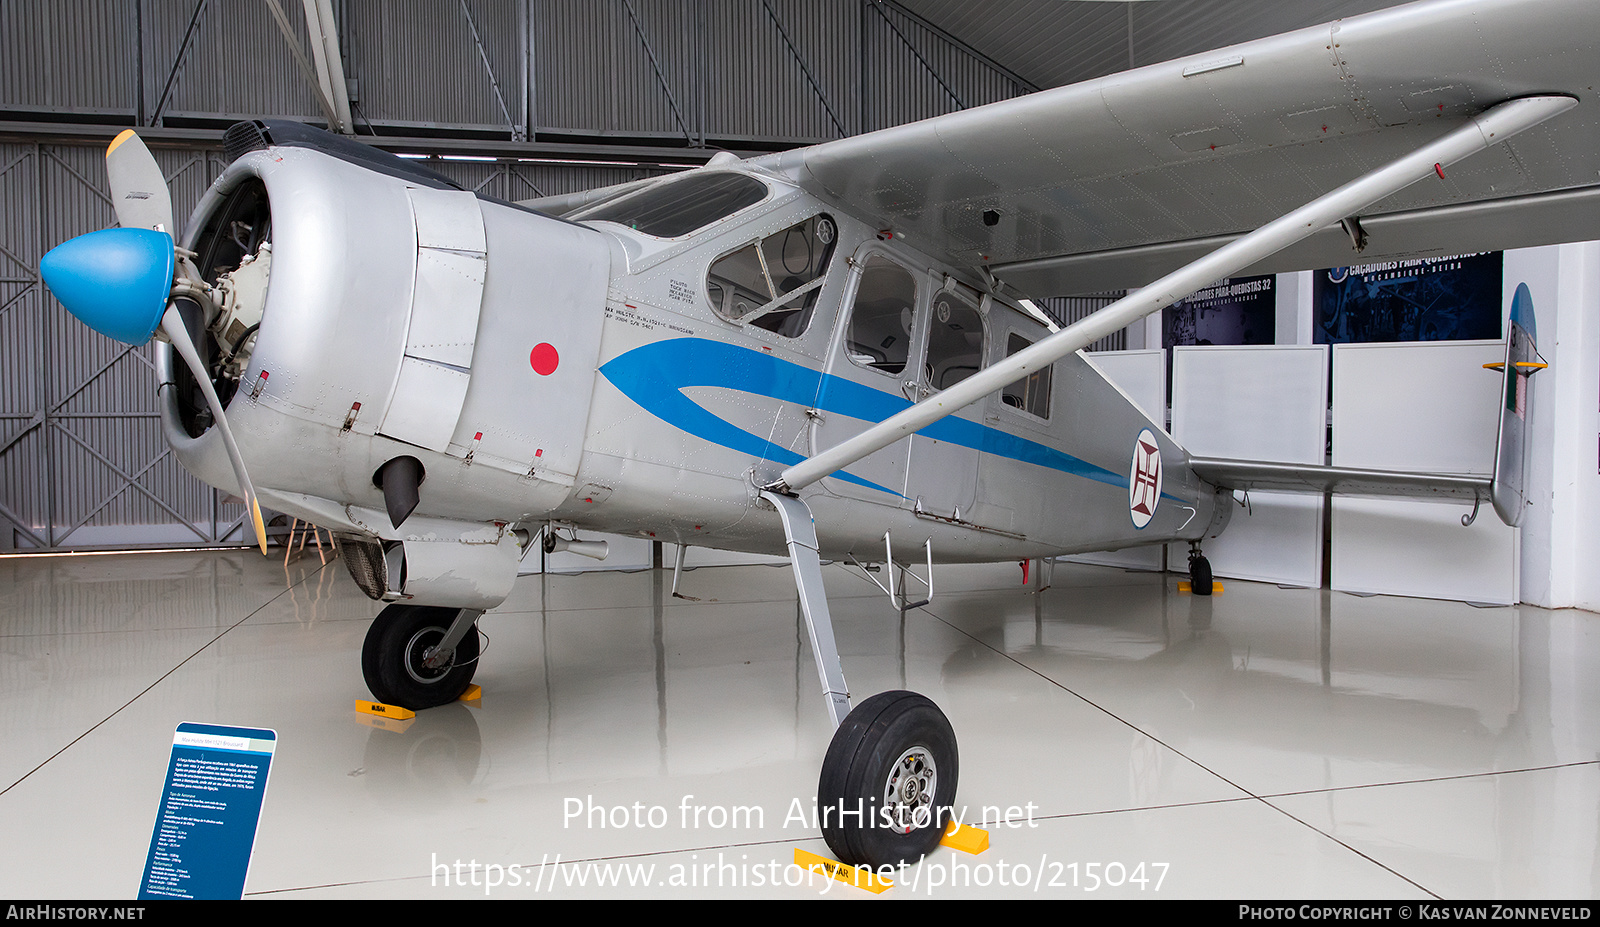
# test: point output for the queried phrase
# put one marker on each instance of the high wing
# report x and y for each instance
(1113, 182)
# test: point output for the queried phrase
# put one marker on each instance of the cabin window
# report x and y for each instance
(880, 322)
(1031, 394)
(680, 206)
(955, 341)
(773, 283)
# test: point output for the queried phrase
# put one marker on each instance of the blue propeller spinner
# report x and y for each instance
(116, 281)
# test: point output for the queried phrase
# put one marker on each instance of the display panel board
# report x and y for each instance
(1263, 402)
(1419, 407)
(206, 825)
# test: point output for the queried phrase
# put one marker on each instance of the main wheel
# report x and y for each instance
(393, 658)
(888, 781)
(1199, 575)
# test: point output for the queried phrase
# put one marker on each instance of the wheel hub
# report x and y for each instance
(908, 792)
(423, 662)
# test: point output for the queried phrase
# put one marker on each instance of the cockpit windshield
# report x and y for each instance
(684, 205)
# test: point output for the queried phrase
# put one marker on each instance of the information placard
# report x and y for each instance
(206, 826)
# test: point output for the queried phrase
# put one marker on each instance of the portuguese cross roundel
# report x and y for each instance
(1144, 479)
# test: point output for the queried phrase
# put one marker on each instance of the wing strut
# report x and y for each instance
(1494, 125)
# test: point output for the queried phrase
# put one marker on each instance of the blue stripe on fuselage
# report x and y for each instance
(655, 376)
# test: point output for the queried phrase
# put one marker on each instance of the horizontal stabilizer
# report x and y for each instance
(1286, 477)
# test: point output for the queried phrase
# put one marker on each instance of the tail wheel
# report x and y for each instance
(1199, 575)
(395, 657)
(888, 781)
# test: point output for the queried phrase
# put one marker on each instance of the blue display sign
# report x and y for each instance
(206, 827)
(1423, 299)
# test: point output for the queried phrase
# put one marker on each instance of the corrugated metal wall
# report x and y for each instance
(82, 460)
(784, 71)
(1068, 309)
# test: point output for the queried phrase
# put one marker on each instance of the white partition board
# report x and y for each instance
(1257, 402)
(1419, 407)
(1142, 377)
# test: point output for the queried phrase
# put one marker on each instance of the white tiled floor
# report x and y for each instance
(1267, 743)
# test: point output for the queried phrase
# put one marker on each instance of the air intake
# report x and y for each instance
(243, 138)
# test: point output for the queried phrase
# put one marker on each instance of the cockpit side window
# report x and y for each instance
(773, 283)
(681, 206)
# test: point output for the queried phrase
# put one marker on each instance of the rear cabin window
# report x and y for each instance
(679, 207)
(880, 322)
(955, 342)
(773, 283)
(1031, 394)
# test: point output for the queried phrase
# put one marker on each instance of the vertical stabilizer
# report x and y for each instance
(1510, 457)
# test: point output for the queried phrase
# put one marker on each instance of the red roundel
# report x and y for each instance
(544, 359)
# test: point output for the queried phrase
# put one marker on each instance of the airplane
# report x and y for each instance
(823, 352)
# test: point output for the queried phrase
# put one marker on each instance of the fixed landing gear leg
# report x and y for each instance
(889, 778)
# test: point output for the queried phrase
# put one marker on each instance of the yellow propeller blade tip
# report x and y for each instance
(261, 529)
(122, 136)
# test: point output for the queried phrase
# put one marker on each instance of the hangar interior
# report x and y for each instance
(1382, 702)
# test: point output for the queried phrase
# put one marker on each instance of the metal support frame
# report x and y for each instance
(177, 64)
(325, 52)
(801, 534)
(307, 72)
(804, 68)
(518, 133)
(1023, 84)
(661, 77)
(910, 46)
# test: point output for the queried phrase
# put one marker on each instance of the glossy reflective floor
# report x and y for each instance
(1266, 743)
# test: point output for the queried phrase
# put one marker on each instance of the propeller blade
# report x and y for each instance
(138, 188)
(172, 325)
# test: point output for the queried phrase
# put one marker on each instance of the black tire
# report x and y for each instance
(866, 751)
(1200, 576)
(391, 657)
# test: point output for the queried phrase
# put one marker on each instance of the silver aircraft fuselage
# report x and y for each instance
(586, 372)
